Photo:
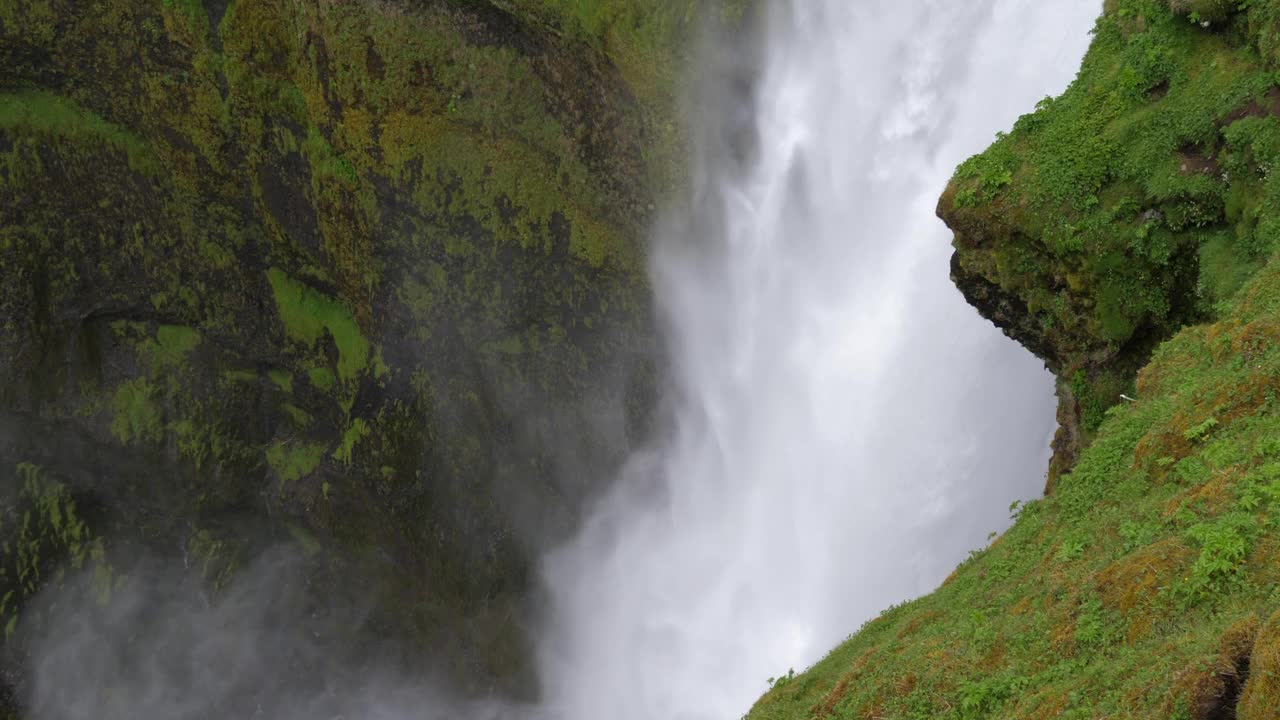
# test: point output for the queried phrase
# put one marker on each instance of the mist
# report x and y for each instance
(155, 642)
(839, 429)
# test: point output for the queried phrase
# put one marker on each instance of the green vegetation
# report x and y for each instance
(172, 345)
(292, 461)
(45, 537)
(647, 41)
(137, 417)
(308, 315)
(283, 379)
(353, 435)
(51, 117)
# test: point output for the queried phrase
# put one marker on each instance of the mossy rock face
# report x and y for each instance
(1135, 203)
(363, 278)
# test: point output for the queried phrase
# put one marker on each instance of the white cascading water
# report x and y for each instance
(846, 428)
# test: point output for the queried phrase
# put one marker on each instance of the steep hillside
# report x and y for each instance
(362, 278)
(1124, 232)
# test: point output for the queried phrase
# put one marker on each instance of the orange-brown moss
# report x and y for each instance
(826, 706)
(1260, 699)
(913, 625)
(1131, 585)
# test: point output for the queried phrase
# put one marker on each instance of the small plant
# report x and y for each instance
(1269, 448)
(775, 683)
(1224, 546)
(1070, 550)
(993, 183)
(1091, 629)
(1199, 432)
(1093, 404)
(978, 699)
(1137, 535)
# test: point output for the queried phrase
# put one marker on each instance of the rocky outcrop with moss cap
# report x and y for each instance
(1132, 205)
(362, 278)
(1126, 232)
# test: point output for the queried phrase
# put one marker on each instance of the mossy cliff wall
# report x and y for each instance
(1126, 232)
(363, 277)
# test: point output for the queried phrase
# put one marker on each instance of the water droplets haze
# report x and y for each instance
(844, 427)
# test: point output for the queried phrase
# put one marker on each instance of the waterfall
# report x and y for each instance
(844, 428)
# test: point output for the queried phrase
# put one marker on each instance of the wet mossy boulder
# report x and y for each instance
(363, 279)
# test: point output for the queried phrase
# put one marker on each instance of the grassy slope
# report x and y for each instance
(1148, 583)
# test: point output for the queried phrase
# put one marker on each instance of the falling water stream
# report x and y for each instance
(845, 427)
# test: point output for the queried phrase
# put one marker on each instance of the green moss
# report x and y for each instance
(1261, 694)
(301, 418)
(240, 376)
(54, 117)
(219, 257)
(190, 12)
(309, 315)
(283, 379)
(380, 368)
(356, 431)
(309, 543)
(1205, 11)
(1096, 393)
(44, 537)
(325, 162)
(322, 378)
(292, 461)
(217, 557)
(170, 348)
(137, 416)
(493, 190)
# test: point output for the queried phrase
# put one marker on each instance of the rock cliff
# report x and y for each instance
(364, 279)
